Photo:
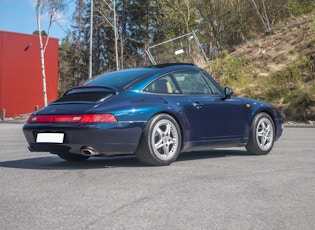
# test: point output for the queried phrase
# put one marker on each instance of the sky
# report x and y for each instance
(20, 16)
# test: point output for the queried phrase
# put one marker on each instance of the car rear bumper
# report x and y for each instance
(104, 138)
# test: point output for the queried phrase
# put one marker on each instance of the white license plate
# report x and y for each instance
(50, 138)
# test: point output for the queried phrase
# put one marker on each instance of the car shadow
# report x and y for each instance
(55, 163)
(214, 153)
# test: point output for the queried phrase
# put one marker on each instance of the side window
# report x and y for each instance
(163, 85)
(215, 88)
(192, 82)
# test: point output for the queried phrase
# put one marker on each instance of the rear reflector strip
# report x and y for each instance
(86, 118)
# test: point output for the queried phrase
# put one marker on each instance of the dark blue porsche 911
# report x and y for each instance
(153, 112)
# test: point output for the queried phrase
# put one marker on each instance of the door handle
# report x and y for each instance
(197, 105)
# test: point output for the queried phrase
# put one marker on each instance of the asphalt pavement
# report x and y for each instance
(213, 189)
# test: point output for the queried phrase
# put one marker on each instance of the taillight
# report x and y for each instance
(88, 118)
(84, 118)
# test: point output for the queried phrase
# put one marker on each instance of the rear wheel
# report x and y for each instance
(262, 135)
(161, 141)
(72, 157)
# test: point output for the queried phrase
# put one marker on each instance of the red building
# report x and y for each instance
(21, 88)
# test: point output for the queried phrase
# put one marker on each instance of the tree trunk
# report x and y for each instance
(42, 53)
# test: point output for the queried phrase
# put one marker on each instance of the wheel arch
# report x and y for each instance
(147, 151)
(260, 140)
(270, 113)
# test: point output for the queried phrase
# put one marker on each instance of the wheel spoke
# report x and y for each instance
(268, 129)
(167, 131)
(172, 141)
(166, 150)
(263, 141)
(159, 144)
(159, 132)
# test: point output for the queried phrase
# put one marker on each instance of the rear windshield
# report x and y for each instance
(119, 79)
(84, 97)
(86, 94)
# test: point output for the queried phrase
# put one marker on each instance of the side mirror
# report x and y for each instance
(228, 93)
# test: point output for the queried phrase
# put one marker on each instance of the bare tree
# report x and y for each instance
(52, 7)
(108, 14)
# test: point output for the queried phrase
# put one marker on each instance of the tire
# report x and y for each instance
(161, 141)
(262, 136)
(72, 157)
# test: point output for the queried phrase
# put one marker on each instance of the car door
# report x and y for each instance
(211, 115)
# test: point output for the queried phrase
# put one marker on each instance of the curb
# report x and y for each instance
(12, 121)
(298, 126)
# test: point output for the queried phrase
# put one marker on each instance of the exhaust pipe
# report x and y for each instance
(88, 151)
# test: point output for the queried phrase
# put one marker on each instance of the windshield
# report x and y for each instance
(119, 79)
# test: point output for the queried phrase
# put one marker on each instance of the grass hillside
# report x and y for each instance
(278, 69)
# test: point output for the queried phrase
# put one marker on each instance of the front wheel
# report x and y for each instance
(262, 136)
(72, 157)
(161, 141)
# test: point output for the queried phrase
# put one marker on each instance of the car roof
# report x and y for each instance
(119, 79)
